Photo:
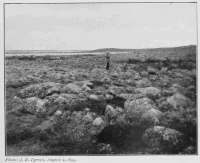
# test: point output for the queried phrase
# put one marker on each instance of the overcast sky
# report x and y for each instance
(92, 26)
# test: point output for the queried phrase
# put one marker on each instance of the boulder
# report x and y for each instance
(17, 104)
(143, 83)
(125, 96)
(162, 138)
(57, 88)
(65, 101)
(178, 100)
(72, 88)
(151, 118)
(35, 105)
(136, 107)
(115, 90)
(36, 90)
(149, 91)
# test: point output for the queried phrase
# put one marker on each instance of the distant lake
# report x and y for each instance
(43, 53)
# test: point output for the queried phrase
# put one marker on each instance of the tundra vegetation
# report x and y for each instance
(69, 104)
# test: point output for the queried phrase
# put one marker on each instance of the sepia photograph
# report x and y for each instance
(100, 79)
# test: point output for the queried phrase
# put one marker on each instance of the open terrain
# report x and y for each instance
(59, 104)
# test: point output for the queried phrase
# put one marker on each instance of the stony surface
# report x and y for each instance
(72, 105)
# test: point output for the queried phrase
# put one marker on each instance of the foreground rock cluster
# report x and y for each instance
(134, 111)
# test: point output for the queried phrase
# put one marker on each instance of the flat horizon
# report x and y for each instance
(80, 50)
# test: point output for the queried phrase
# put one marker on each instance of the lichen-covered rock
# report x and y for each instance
(88, 118)
(35, 105)
(115, 90)
(183, 120)
(162, 138)
(57, 88)
(178, 100)
(136, 107)
(72, 88)
(37, 90)
(79, 128)
(65, 101)
(103, 148)
(125, 96)
(143, 83)
(98, 121)
(151, 118)
(17, 104)
(149, 91)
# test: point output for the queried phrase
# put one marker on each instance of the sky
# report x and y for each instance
(93, 26)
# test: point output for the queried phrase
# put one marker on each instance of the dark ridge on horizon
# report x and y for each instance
(100, 50)
(159, 48)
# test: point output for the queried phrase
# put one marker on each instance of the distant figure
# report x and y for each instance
(107, 61)
(125, 67)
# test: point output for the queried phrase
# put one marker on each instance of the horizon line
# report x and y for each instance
(78, 50)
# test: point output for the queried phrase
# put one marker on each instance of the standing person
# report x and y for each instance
(107, 61)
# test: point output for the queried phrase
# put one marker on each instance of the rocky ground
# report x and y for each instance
(72, 105)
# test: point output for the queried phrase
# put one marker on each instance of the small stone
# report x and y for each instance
(94, 97)
(98, 121)
(58, 113)
(109, 97)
